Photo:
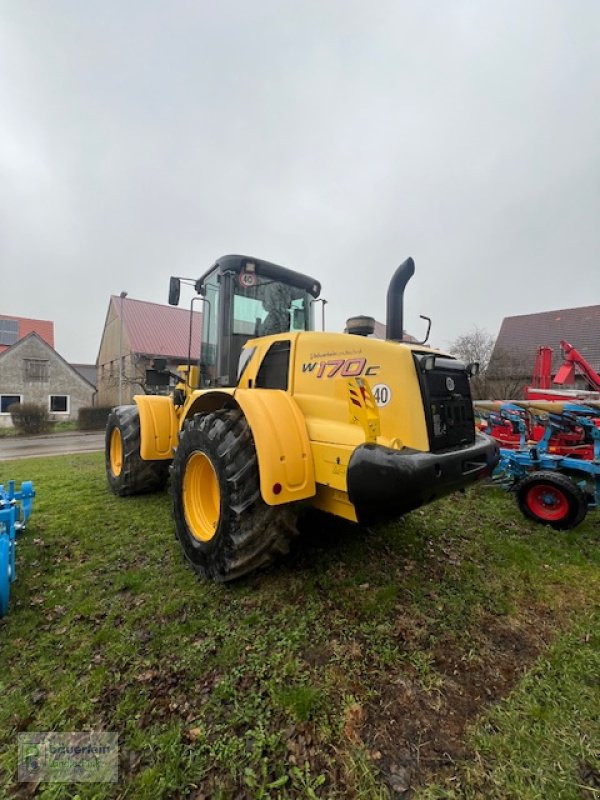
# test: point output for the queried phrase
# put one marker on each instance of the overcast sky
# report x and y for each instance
(144, 139)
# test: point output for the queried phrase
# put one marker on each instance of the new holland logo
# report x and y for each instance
(450, 384)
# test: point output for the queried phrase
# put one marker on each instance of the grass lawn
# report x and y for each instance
(454, 654)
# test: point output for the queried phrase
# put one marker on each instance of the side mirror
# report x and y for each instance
(473, 369)
(174, 291)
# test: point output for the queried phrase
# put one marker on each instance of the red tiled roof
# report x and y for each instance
(43, 327)
(521, 336)
(158, 330)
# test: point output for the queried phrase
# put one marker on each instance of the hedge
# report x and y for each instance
(29, 417)
(93, 419)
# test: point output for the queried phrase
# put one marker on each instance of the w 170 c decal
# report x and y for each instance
(344, 367)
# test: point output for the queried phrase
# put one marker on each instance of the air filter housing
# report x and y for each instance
(360, 326)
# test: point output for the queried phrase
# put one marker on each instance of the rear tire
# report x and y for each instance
(552, 498)
(126, 471)
(225, 528)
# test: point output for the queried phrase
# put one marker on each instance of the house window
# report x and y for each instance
(36, 369)
(9, 331)
(59, 403)
(7, 400)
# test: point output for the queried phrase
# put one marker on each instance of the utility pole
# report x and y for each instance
(123, 295)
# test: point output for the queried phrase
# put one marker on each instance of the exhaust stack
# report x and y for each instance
(395, 300)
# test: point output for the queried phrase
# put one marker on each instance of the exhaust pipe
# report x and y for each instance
(395, 300)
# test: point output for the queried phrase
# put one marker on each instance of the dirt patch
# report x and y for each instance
(590, 781)
(416, 733)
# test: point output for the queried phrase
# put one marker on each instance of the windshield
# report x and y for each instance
(263, 306)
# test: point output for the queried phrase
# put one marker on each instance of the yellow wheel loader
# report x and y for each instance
(277, 416)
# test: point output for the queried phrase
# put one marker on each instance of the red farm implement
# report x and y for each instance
(563, 387)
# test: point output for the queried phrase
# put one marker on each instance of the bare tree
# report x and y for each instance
(507, 375)
(500, 377)
(476, 345)
(133, 378)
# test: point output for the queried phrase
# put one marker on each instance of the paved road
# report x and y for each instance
(51, 445)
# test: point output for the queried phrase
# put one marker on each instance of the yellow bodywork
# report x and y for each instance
(343, 390)
(282, 445)
(159, 426)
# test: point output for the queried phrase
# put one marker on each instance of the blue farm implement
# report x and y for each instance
(561, 428)
(555, 479)
(15, 509)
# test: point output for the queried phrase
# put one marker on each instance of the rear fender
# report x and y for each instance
(285, 461)
(158, 427)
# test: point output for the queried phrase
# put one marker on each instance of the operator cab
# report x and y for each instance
(244, 298)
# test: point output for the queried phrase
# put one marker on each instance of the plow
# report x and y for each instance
(549, 456)
(15, 510)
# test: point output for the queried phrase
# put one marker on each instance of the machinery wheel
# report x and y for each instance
(223, 525)
(552, 498)
(126, 471)
(5, 576)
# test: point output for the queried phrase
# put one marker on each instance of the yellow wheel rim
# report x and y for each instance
(116, 452)
(201, 497)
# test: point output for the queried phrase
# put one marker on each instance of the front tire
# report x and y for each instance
(126, 471)
(552, 498)
(225, 528)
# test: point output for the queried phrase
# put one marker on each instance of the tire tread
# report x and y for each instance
(137, 475)
(578, 504)
(251, 534)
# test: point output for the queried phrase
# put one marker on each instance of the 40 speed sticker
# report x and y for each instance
(382, 394)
